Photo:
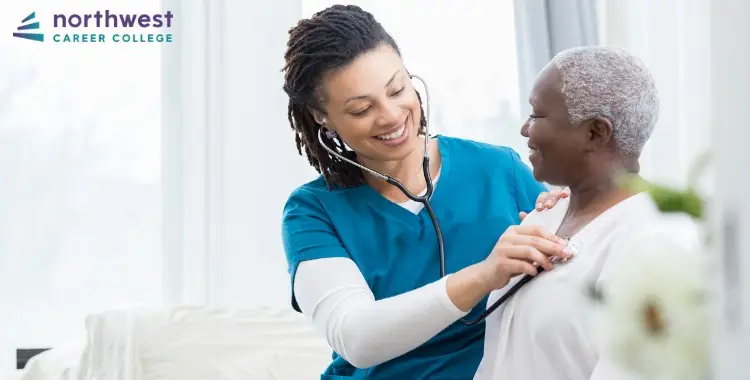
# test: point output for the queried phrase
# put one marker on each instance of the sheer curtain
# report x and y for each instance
(672, 37)
(80, 179)
(547, 27)
(231, 161)
(730, 214)
(698, 52)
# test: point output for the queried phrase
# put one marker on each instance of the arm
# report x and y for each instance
(333, 293)
(329, 288)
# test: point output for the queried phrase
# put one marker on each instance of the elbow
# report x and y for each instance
(360, 357)
(356, 363)
(357, 348)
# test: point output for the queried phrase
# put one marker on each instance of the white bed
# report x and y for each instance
(184, 343)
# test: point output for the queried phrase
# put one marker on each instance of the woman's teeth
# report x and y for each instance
(393, 135)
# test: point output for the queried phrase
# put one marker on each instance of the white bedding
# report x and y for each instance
(56, 364)
(15, 375)
(199, 343)
(184, 343)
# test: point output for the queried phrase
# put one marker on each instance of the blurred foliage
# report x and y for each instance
(670, 199)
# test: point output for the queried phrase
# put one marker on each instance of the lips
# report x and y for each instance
(394, 132)
(393, 135)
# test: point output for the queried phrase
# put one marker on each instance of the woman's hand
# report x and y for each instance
(520, 250)
(517, 251)
(548, 199)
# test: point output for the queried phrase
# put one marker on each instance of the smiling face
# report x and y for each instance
(372, 105)
(559, 150)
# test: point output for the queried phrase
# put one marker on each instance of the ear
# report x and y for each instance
(319, 117)
(600, 133)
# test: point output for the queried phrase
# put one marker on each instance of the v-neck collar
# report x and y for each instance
(398, 212)
(606, 218)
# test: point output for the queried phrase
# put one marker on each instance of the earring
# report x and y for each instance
(330, 134)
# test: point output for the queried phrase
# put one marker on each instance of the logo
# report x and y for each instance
(101, 27)
(32, 26)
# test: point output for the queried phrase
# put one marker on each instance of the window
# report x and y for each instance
(466, 51)
(80, 223)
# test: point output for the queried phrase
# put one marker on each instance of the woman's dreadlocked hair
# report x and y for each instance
(331, 39)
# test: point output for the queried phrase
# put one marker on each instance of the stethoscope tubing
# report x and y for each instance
(425, 200)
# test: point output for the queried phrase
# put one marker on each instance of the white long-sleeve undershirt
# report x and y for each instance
(334, 294)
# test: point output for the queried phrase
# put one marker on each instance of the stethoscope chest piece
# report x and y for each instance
(575, 246)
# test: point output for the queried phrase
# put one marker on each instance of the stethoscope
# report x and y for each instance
(425, 200)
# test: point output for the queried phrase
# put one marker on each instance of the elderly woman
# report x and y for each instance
(594, 108)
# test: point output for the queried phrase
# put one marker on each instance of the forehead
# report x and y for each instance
(547, 88)
(367, 75)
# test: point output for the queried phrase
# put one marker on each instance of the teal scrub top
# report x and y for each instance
(479, 194)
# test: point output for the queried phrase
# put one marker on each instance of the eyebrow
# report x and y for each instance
(365, 96)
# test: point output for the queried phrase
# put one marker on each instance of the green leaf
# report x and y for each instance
(666, 198)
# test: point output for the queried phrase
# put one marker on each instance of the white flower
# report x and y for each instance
(654, 316)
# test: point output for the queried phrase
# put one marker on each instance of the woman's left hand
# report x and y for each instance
(547, 200)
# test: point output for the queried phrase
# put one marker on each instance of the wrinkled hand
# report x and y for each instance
(520, 250)
(548, 200)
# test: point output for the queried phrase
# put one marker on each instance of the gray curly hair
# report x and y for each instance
(614, 84)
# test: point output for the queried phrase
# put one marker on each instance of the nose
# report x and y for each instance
(390, 113)
(525, 129)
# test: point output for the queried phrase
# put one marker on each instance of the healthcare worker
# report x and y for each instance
(363, 257)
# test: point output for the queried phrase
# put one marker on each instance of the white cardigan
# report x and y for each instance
(545, 330)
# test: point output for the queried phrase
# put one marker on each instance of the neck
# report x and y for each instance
(596, 194)
(408, 171)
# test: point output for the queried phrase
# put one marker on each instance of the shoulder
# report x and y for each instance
(307, 198)
(548, 218)
(496, 169)
(677, 228)
(309, 190)
(482, 156)
(651, 234)
(306, 194)
(462, 145)
(315, 199)
(646, 220)
(317, 189)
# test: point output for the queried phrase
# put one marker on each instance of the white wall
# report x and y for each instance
(730, 52)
